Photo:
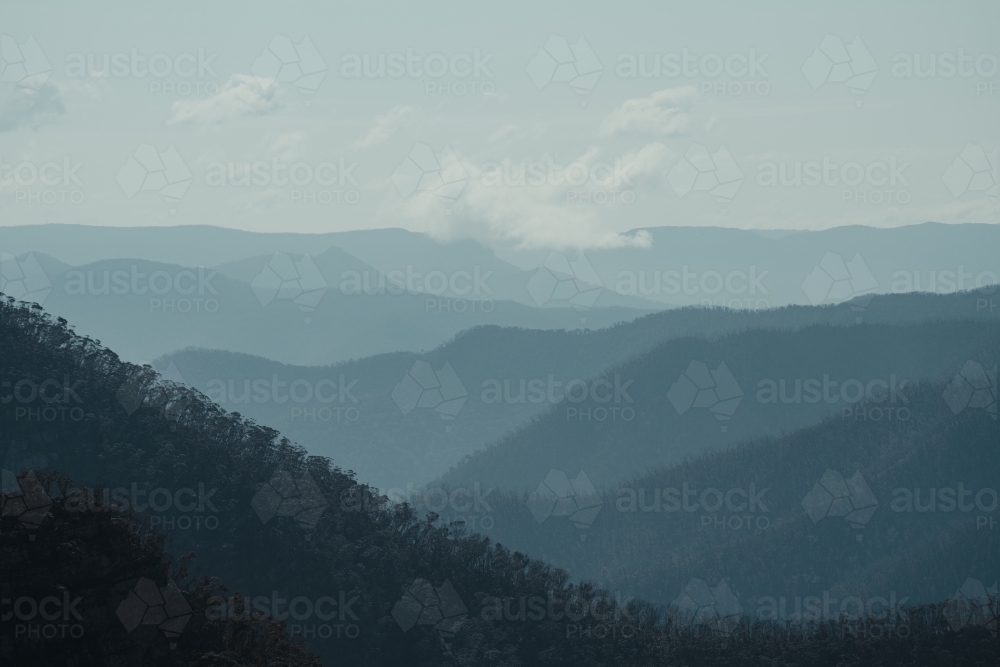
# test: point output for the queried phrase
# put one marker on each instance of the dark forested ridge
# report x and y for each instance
(512, 375)
(363, 580)
(755, 383)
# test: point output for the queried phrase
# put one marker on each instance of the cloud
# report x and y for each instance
(511, 132)
(528, 217)
(20, 107)
(664, 113)
(385, 126)
(288, 146)
(649, 163)
(242, 95)
(503, 134)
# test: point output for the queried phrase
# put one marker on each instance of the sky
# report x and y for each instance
(519, 124)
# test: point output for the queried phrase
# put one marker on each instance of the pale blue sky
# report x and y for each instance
(237, 114)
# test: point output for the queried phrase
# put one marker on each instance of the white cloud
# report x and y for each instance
(510, 132)
(242, 95)
(664, 113)
(528, 216)
(505, 133)
(649, 163)
(288, 146)
(385, 126)
(21, 107)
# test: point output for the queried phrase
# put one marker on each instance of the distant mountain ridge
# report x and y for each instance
(681, 266)
(764, 516)
(293, 308)
(689, 396)
(511, 378)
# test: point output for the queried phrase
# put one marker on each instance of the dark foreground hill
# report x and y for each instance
(77, 588)
(363, 580)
